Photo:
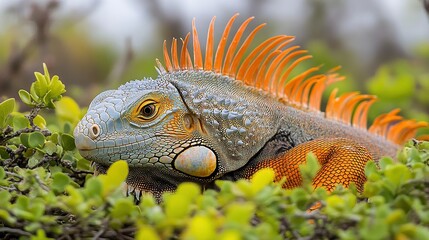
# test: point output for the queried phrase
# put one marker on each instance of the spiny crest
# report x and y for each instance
(268, 67)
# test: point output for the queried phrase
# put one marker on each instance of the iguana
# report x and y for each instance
(238, 110)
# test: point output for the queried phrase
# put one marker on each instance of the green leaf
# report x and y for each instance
(25, 97)
(396, 216)
(397, 174)
(83, 164)
(20, 121)
(4, 215)
(22, 202)
(40, 86)
(200, 228)
(146, 232)
(55, 138)
(93, 187)
(371, 171)
(24, 138)
(35, 159)
(240, 213)
(60, 181)
(36, 140)
(6, 107)
(33, 93)
(57, 88)
(177, 206)
(2, 173)
(68, 110)
(3, 153)
(41, 235)
(115, 176)
(122, 209)
(310, 168)
(261, 179)
(384, 162)
(299, 198)
(371, 167)
(371, 189)
(74, 199)
(192, 190)
(335, 202)
(67, 127)
(37, 207)
(50, 148)
(39, 121)
(5, 197)
(67, 142)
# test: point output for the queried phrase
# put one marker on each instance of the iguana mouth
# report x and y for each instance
(84, 143)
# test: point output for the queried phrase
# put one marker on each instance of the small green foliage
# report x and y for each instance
(310, 168)
(261, 179)
(60, 181)
(393, 83)
(116, 175)
(6, 108)
(146, 232)
(67, 142)
(200, 228)
(2, 173)
(400, 84)
(68, 110)
(44, 91)
(20, 121)
(39, 121)
(36, 140)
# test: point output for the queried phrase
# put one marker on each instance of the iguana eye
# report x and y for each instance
(148, 111)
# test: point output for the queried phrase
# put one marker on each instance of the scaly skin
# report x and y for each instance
(198, 124)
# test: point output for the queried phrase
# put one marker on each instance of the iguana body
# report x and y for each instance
(229, 115)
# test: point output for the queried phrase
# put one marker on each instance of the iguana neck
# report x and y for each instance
(305, 126)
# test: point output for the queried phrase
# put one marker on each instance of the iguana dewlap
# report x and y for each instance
(232, 112)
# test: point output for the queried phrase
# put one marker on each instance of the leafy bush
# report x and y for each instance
(47, 191)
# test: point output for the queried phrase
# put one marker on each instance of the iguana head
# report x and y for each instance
(148, 124)
(170, 130)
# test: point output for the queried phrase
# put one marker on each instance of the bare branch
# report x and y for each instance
(41, 18)
(121, 64)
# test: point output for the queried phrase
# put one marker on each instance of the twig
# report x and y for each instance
(102, 230)
(14, 230)
(41, 17)
(8, 134)
(46, 158)
(14, 175)
(10, 189)
(426, 5)
(42, 185)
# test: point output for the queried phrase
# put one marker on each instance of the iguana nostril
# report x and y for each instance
(94, 131)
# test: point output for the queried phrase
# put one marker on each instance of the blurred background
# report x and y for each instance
(94, 45)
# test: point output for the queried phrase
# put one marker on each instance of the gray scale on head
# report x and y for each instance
(231, 114)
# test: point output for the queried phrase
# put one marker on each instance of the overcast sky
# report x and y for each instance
(112, 21)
